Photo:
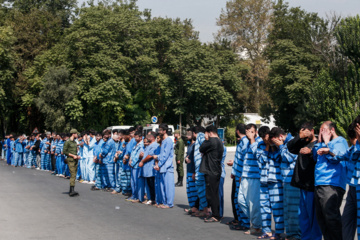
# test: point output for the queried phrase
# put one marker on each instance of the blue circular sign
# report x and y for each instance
(154, 119)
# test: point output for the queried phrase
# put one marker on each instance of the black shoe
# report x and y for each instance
(179, 184)
(72, 192)
(94, 188)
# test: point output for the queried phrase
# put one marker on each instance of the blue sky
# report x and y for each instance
(205, 12)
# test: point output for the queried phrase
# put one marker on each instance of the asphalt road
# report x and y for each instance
(35, 205)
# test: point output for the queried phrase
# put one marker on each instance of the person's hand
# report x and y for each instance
(320, 137)
(187, 160)
(141, 164)
(157, 168)
(305, 150)
(79, 157)
(124, 161)
(239, 180)
(323, 151)
(230, 163)
(178, 162)
(155, 157)
(100, 156)
(48, 143)
(232, 176)
(206, 136)
(250, 134)
(326, 135)
(81, 144)
(357, 130)
(56, 154)
(126, 157)
(193, 176)
(141, 155)
(277, 142)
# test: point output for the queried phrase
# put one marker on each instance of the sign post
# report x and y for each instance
(154, 119)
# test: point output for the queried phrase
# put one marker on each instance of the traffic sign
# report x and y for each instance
(154, 119)
(35, 130)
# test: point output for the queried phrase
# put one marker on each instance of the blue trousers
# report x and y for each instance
(358, 209)
(18, 159)
(108, 175)
(48, 161)
(271, 201)
(98, 176)
(60, 165)
(249, 200)
(349, 216)
(201, 190)
(221, 197)
(78, 172)
(2, 153)
(125, 180)
(158, 193)
(118, 170)
(291, 210)
(8, 156)
(167, 185)
(42, 161)
(309, 226)
(90, 169)
(31, 159)
(83, 169)
(242, 218)
(137, 184)
(25, 159)
(191, 190)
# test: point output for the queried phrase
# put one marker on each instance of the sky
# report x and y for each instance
(204, 13)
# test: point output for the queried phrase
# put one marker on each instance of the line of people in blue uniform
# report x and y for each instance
(298, 181)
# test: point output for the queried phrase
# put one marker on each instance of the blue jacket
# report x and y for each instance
(197, 155)
(108, 151)
(166, 156)
(148, 168)
(249, 166)
(223, 173)
(43, 145)
(135, 154)
(328, 169)
(89, 149)
(59, 147)
(288, 160)
(98, 147)
(19, 146)
(240, 149)
(355, 178)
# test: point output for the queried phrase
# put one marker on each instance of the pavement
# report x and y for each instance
(36, 205)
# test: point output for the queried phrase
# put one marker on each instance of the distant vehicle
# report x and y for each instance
(122, 127)
(155, 128)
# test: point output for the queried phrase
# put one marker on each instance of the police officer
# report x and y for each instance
(179, 155)
(70, 150)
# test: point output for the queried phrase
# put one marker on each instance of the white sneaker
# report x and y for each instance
(37, 168)
(148, 202)
(85, 181)
(91, 182)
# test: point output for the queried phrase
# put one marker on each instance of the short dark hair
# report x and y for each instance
(122, 131)
(197, 129)
(263, 131)
(276, 132)
(307, 125)
(152, 134)
(115, 131)
(356, 120)
(106, 132)
(92, 132)
(138, 133)
(211, 128)
(250, 125)
(241, 128)
(131, 129)
(164, 127)
(139, 128)
(189, 130)
(351, 131)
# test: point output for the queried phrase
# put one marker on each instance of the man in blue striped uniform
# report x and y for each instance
(158, 193)
(291, 194)
(60, 166)
(198, 133)
(8, 149)
(166, 168)
(147, 165)
(222, 181)
(19, 151)
(241, 221)
(271, 189)
(97, 160)
(26, 152)
(330, 180)
(43, 150)
(107, 157)
(137, 182)
(119, 155)
(191, 190)
(355, 179)
(249, 191)
(126, 171)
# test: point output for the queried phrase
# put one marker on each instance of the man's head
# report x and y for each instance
(138, 128)
(116, 137)
(98, 137)
(106, 134)
(158, 138)
(132, 131)
(307, 129)
(177, 134)
(163, 128)
(240, 130)
(278, 134)
(264, 132)
(151, 137)
(48, 135)
(196, 130)
(74, 133)
(121, 134)
(189, 134)
(251, 128)
(329, 126)
(115, 132)
(211, 131)
(352, 133)
(146, 142)
(138, 136)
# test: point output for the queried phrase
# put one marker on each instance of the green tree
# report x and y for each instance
(57, 91)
